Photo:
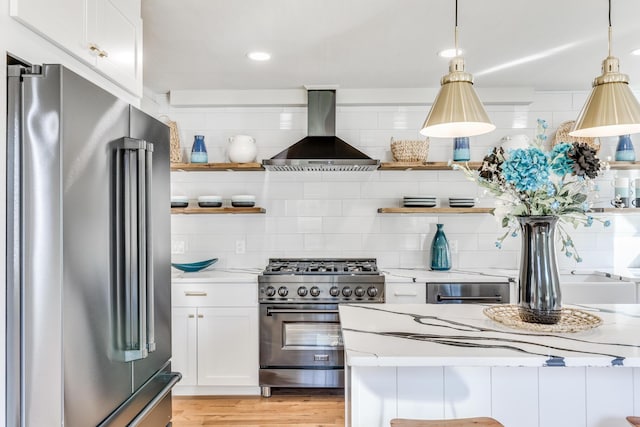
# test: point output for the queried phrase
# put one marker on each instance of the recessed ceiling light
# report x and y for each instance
(259, 56)
(635, 52)
(449, 53)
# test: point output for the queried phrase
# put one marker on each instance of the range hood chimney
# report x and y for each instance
(321, 150)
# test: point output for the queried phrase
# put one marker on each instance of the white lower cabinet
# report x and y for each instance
(215, 338)
(406, 293)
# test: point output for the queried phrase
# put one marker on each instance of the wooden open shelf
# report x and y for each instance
(625, 165)
(424, 166)
(630, 210)
(435, 210)
(204, 167)
(224, 210)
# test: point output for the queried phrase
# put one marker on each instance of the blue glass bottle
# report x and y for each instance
(440, 253)
(461, 152)
(199, 150)
(624, 150)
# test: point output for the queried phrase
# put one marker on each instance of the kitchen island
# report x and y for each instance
(451, 361)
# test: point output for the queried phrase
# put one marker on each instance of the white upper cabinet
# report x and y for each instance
(106, 34)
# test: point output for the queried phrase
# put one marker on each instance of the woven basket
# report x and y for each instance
(410, 150)
(562, 135)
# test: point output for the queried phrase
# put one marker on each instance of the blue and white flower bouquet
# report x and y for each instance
(532, 181)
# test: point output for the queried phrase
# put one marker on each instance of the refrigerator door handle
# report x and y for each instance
(151, 339)
(131, 256)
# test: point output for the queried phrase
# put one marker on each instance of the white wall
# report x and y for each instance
(335, 213)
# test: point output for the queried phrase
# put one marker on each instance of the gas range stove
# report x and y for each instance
(331, 280)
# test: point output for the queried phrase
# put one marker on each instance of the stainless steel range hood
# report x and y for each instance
(321, 150)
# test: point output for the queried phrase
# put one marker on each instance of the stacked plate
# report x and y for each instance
(419, 201)
(461, 202)
(179, 201)
(243, 201)
(209, 201)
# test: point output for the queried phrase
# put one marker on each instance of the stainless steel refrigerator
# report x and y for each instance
(88, 256)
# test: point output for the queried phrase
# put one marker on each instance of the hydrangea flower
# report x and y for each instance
(561, 164)
(526, 169)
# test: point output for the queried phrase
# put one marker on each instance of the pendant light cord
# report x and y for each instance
(455, 36)
(610, 28)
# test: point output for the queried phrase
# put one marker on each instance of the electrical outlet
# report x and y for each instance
(177, 247)
(241, 246)
(453, 245)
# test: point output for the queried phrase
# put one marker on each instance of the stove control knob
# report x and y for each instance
(282, 291)
(302, 291)
(315, 291)
(270, 291)
(372, 292)
(359, 292)
(346, 291)
(334, 291)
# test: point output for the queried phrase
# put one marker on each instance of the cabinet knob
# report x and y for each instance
(191, 316)
(200, 316)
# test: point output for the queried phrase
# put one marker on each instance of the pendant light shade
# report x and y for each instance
(611, 108)
(457, 110)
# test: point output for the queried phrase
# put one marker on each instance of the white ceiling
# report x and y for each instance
(544, 44)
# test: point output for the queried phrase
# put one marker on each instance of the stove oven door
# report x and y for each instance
(300, 336)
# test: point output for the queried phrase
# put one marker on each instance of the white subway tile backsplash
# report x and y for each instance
(306, 224)
(329, 214)
(331, 190)
(320, 207)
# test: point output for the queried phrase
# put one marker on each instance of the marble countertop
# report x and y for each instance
(632, 274)
(423, 275)
(461, 335)
(216, 276)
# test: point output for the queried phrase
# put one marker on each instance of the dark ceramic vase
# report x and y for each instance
(540, 297)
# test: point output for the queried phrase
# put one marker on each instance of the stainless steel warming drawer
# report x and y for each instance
(469, 292)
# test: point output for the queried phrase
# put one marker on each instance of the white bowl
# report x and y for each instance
(210, 199)
(179, 199)
(243, 198)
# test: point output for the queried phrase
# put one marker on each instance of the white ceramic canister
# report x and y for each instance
(242, 149)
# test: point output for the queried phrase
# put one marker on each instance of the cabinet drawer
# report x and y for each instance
(405, 293)
(214, 294)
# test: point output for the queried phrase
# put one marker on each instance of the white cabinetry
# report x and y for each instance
(106, 34)
(592, 289)
(405, 292)
(215, 338)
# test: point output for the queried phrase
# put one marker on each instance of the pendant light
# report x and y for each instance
(457, 110)
(611, 108)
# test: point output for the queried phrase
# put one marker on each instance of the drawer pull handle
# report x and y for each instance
(405, 294)
(195, 294)
(200, 316)
(191, 316)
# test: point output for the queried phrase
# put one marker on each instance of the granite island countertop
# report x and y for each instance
(461, 335)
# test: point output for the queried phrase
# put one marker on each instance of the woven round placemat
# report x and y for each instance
(562, 135)
(571, 320)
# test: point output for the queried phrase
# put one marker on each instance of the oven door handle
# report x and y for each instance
(497, 298)
(271, 311)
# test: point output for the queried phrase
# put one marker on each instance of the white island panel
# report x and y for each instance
(467, 391)
(569, 409)
(420, 392)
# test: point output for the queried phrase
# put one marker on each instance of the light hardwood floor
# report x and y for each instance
(303, 409)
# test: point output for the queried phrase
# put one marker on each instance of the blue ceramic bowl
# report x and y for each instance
(192, 267)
